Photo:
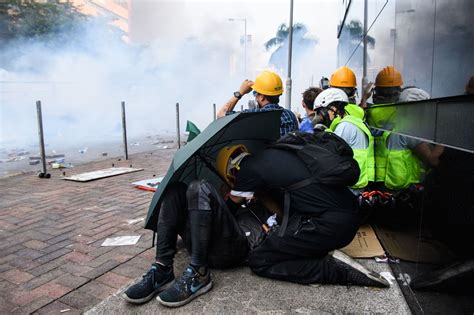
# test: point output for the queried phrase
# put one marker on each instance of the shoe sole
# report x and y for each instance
(337, 254)
(149, 297)
(201, 291)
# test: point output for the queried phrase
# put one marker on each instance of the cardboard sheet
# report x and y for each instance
(413, 245)
(148, 184)
(365, 244)
(108, 172)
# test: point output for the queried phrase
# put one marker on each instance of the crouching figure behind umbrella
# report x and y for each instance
(319, 214)
(215, 234)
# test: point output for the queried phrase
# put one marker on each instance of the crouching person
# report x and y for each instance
(318, 217)
(210, 230)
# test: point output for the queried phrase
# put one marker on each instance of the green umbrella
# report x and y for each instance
(196, 159)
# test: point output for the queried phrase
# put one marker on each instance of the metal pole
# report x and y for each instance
(178, 139)
(214, 117)
(41, 139)
(245, 48)
(364, 62)
(290, 47)
(124, 131)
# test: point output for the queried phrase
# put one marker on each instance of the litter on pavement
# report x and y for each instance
(121, 240)
(108, 172)
(148, 184)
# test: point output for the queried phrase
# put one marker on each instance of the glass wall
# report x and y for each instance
(429, 226)
(427, 41)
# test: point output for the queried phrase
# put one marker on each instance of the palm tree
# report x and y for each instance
(300, 44)
(350, 44)
(355, 31)
(282, 34)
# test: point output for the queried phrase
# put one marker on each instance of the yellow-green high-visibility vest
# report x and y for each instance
(397, 169)
(364, 157)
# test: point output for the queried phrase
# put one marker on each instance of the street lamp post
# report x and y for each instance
(245, 43)
(290, 48)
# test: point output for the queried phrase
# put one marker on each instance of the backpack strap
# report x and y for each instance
(301, 184)
(286, 213)
(286, 202)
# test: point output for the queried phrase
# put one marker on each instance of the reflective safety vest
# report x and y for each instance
(397, 169)
(364, 157)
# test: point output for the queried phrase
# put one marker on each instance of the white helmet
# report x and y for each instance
(329, 96)
(412, 94)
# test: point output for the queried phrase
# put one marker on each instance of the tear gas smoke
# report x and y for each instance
(82, 83)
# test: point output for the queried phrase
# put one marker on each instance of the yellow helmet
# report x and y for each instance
(228, 160)
(343, 77)
(268, 83)
(388, 77)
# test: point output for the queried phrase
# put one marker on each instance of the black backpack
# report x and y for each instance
(328, 157)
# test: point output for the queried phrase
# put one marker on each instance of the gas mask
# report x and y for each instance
(322, 117)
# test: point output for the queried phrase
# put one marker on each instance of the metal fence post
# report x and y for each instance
(43, 174)
(177, 126)
(124, 131)
(214, 108)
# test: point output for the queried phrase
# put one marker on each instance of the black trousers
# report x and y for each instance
(220, 237)
(301, 254)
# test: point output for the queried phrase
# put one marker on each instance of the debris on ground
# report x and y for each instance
(108, 172)
(148, 184)
(162, 142)
(51, 156)
(18, 152)
(133, 221)
(121, 240)
(12, 159)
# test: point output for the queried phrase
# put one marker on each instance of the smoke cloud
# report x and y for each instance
(195, 58)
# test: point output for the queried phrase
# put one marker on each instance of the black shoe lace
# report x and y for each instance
(150, 275)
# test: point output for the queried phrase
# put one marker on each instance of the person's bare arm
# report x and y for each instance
(428, 154)
(245, 88)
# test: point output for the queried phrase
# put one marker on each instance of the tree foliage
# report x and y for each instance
(302, 44)
(28, 19)
(282, 34)
(355, 30)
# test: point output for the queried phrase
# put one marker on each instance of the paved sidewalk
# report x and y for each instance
(51, 231)
(52, 263)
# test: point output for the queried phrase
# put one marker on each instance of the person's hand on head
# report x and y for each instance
(246, 87)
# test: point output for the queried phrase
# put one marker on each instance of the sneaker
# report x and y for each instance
(357, 274)
(191, 285)
(157, 279)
